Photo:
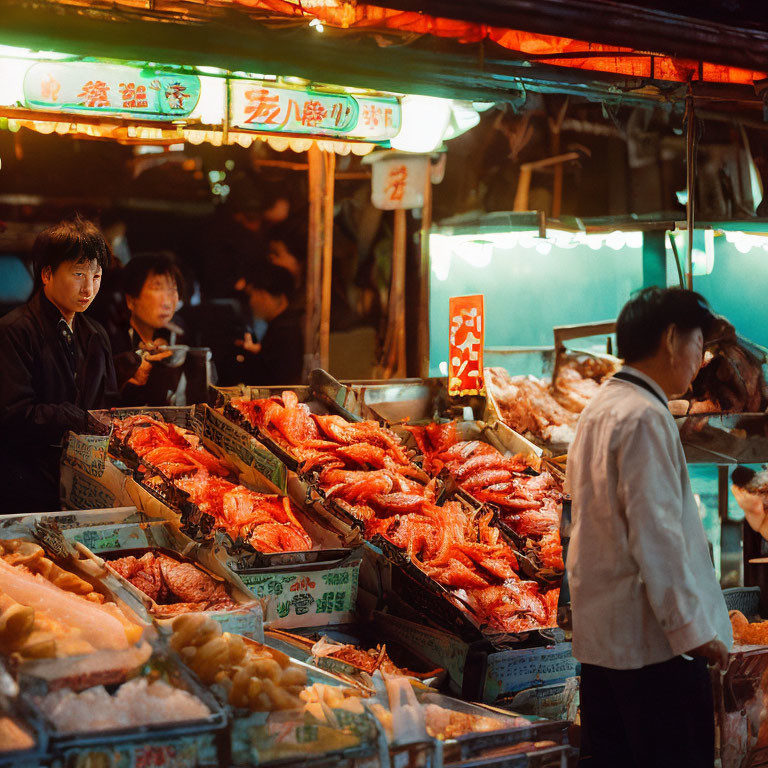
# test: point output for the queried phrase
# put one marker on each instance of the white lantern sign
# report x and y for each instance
(398, 180)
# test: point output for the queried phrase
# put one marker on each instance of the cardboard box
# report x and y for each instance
(478, 671)
(312, 595)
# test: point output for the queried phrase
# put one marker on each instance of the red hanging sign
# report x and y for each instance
(466, 338)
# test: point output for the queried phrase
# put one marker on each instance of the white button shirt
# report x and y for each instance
(643, 588)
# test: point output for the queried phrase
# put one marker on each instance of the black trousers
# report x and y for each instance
(659, 716)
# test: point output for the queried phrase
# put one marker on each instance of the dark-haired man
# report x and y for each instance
(151, 283)
(278, 359)
(56, 365)
(648, 613)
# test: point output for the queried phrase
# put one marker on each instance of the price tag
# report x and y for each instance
(248, 622)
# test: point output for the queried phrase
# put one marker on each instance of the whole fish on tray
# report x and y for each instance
(267, 521)
(367, 468)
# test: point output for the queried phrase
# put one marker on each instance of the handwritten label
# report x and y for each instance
(234, 440)
(399, 182)
(466, 336)
(248, 622)
(309, 593)
(440, 648)
(510, 671)
(97, 539)
(87, 493)
(87, 453)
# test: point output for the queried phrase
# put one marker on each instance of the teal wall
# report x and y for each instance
(737, 287)
(531, 284)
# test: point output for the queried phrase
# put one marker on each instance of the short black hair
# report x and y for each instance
(275, 280)
(646, 316)
(75, 239)
(139, 268)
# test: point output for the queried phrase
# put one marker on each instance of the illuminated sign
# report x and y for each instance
(466, 340)
(398, 180)
(262, 106)
(94, 88)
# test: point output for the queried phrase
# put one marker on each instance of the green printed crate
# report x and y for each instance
(306, 596)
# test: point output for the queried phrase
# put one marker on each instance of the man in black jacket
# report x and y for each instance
(55, 365)
(279, 358)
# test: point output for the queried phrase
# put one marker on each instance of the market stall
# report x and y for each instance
(207, 636)
(310, 574)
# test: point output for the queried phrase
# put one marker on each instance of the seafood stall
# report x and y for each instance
(436, 557)
(100, 661)
(296, 563)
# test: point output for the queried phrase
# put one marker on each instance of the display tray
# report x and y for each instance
(546, 757)
(524, 547)
(26, 718)
(513, 731)
(157, 609)
(195, 523)
(299, 737)
(442, 605)
(363, 636)
(178, 675)
(724, 438)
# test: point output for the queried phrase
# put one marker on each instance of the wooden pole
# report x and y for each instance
(423, 316)
(690, 168)
(314, 259)
(397, 294)
(327, 263)
(554, 147)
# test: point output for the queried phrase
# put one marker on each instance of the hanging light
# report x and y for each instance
(424, 120)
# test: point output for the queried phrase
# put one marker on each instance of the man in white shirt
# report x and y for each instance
(648, 612)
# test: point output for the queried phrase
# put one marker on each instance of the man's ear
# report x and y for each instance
(46, 274)
(668, 339)
(130, 302)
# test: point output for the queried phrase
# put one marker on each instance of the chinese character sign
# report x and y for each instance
(91, 87)
(268, 108)
(466, 335)
(398, 181)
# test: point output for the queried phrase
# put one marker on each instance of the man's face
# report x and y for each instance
(72, 286)
(687, 356)
(156, 304)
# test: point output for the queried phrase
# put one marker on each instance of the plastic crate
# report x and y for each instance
(744, 599)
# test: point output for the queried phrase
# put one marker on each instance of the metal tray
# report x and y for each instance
(215, 721)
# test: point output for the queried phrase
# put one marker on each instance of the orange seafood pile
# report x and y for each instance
(366, 469)
(266, 521)
(529, 504)
(547, 414)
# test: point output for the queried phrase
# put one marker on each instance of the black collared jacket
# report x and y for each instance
(45, 391)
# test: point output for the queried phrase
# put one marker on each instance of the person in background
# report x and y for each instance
(648, 612)
(278, 358)
(152, 284)
(108, 307)
(56, 365)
